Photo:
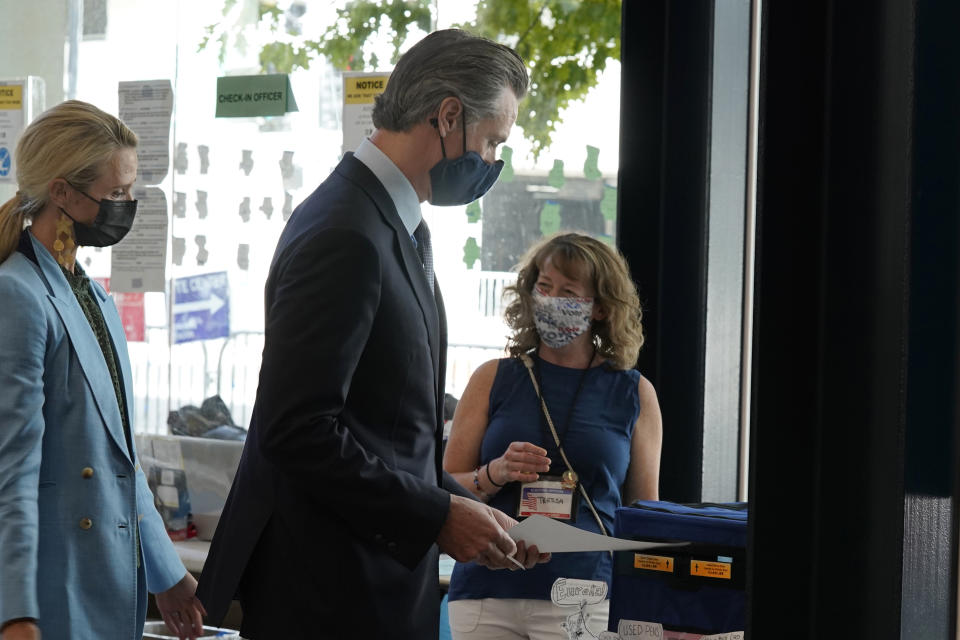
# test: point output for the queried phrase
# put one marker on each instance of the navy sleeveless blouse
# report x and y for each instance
(597, 442)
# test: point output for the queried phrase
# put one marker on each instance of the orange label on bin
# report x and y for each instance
(652, 563)
(710, 569)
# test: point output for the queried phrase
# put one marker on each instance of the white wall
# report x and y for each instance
(33, 35)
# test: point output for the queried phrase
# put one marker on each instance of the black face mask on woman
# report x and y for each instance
(112, 223)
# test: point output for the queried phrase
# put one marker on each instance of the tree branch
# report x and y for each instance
(532, 23)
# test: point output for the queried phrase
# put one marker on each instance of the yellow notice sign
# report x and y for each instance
(11, 96)
(363, 89)
(703, 569)
(652, 563)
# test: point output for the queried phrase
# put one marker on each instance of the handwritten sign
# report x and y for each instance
(568, 591)
(639, 630)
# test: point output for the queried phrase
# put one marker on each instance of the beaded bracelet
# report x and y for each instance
(476, 483)
(498, 486)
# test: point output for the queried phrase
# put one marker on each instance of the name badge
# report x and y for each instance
(551, 496)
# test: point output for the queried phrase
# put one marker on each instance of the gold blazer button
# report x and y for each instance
(86, 523)
(87, 472)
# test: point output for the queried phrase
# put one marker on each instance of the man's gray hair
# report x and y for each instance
(448, 63)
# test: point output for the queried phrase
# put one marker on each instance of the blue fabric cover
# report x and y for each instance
(678, 600)
(597, 442)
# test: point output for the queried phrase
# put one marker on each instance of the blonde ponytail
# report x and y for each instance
(12, 219)
(73, 140)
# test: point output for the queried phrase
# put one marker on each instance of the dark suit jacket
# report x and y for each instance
(330, 525)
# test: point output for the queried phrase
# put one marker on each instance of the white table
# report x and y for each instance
(193, 553)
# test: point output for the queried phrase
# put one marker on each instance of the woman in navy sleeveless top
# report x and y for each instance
(575, 319)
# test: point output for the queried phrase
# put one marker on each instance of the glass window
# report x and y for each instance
(233, 182)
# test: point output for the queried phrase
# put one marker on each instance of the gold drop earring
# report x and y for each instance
(64, 241)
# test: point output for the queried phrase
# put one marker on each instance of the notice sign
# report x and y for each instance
(131, 310)
(138, 263)
(360, 89)
(147, 108)
(201, 309)
(246, 96)
(132, 315)
(11, 126)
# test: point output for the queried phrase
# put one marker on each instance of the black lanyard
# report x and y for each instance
(573, 403)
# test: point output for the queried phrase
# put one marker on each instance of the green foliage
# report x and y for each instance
(361, 20)
(566, 44)
(279, 56)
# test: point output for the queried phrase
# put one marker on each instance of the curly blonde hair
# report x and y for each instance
(619, 335)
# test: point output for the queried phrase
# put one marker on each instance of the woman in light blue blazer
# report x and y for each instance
(80, 540)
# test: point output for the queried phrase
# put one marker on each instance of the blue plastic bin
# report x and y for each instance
(698, 587)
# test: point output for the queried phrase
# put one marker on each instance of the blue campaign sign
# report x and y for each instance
(4, 162)
(201, 307)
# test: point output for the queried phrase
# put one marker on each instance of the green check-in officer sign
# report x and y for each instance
(246, 96)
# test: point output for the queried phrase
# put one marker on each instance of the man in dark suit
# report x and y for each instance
(339, 505)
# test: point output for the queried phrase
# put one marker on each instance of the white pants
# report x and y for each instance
(516, 619)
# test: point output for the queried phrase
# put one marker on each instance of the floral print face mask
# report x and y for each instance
(560, 320)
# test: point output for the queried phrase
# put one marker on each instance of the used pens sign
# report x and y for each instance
(246, 96)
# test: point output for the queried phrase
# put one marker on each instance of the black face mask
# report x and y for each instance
(463, 179)
(112, 223)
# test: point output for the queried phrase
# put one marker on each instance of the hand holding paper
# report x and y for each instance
(552, 536)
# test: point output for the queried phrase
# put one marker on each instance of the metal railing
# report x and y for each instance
(167, 377)
(170, 378)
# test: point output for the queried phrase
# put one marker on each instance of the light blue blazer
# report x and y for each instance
(71, 496)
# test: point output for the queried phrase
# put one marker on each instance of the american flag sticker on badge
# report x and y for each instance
(528, 503)
(546, 498)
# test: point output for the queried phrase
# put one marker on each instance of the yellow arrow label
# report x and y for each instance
(710, 569)
(652, 563)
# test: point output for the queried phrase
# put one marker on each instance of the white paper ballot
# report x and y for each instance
(553, 536)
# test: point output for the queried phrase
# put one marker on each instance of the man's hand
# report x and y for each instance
(472, 533)
(181, 610)
(22, 630)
